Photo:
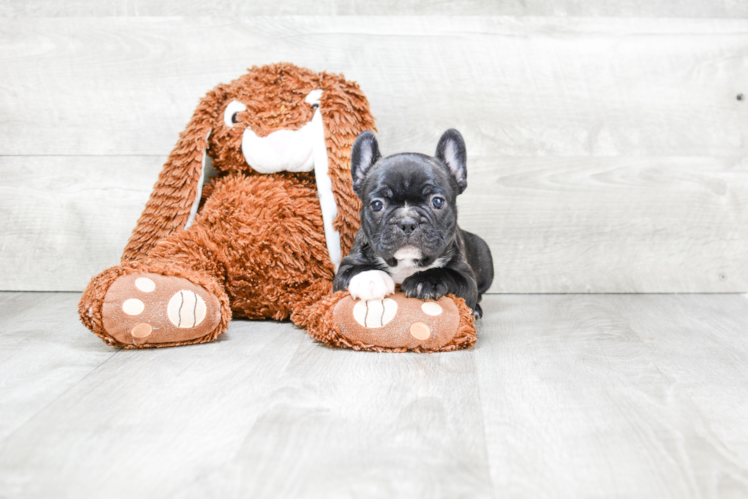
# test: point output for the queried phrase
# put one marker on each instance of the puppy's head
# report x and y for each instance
(409, 200)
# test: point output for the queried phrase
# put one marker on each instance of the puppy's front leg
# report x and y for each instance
(371, 285)
(437, 282)
(363, 280)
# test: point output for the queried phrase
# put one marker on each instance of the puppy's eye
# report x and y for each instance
(315, 105)
(438, 202)
(377, 206)
(235, 117)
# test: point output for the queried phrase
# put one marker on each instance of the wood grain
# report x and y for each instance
(566, 225)
(163, 416)
(605, 154)
(73, 221)
(615, 396)
(513, 86)
(613, 8)
(263, 412)
(574, 225)
(562, 396)
(41, 357)
(351, 424)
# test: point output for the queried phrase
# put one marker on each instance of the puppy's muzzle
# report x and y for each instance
(407, 225)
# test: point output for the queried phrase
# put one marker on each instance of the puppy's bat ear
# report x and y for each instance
(451, 150)
(177, 191)
(364, 155)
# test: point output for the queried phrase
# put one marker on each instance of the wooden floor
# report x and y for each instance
(564, 395)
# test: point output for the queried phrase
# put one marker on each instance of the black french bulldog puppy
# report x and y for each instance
(409, 233)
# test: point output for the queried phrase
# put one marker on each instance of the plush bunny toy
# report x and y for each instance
(262, 236)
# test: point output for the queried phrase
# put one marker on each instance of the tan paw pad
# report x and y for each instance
(398, 322)
(140, 332)
(186, 309)
(145, 285)
(420, 330)
(147, 308)
(374, 313)
(133, 307)
(431, 308)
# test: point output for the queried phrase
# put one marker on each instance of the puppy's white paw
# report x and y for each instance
(371, 285)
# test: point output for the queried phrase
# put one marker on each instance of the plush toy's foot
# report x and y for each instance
(398, 323)
(149, 310)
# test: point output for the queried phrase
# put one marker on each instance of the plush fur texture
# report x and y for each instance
(274, 96)
(322, 326)
(257, 243)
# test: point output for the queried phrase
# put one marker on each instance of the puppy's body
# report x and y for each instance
(409, 233)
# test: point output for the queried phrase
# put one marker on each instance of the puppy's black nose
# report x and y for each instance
(407, 224)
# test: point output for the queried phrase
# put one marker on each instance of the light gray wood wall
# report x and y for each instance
(587, 8)
(606, 143)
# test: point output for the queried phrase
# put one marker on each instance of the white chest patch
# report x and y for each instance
(407, 264)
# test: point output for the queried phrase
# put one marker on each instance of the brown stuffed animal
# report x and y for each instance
(261, 239)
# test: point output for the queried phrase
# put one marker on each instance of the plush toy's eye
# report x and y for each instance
(313, 98)
(231, 115)
(377, 205)
(438, 202)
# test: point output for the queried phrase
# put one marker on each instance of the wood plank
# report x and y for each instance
(553, 225)
(73, 221)
(615, 396)
(583, 165)
(347, 424)
(41, 356)
(703, 342)
(629, 8)
(263, 412)
(581, 225)
(514, 86)
(165, 416)
(563, 396)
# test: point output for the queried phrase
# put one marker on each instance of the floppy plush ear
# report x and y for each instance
(364, 155)
(451, 150)
(176, 190)
(345, 111)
